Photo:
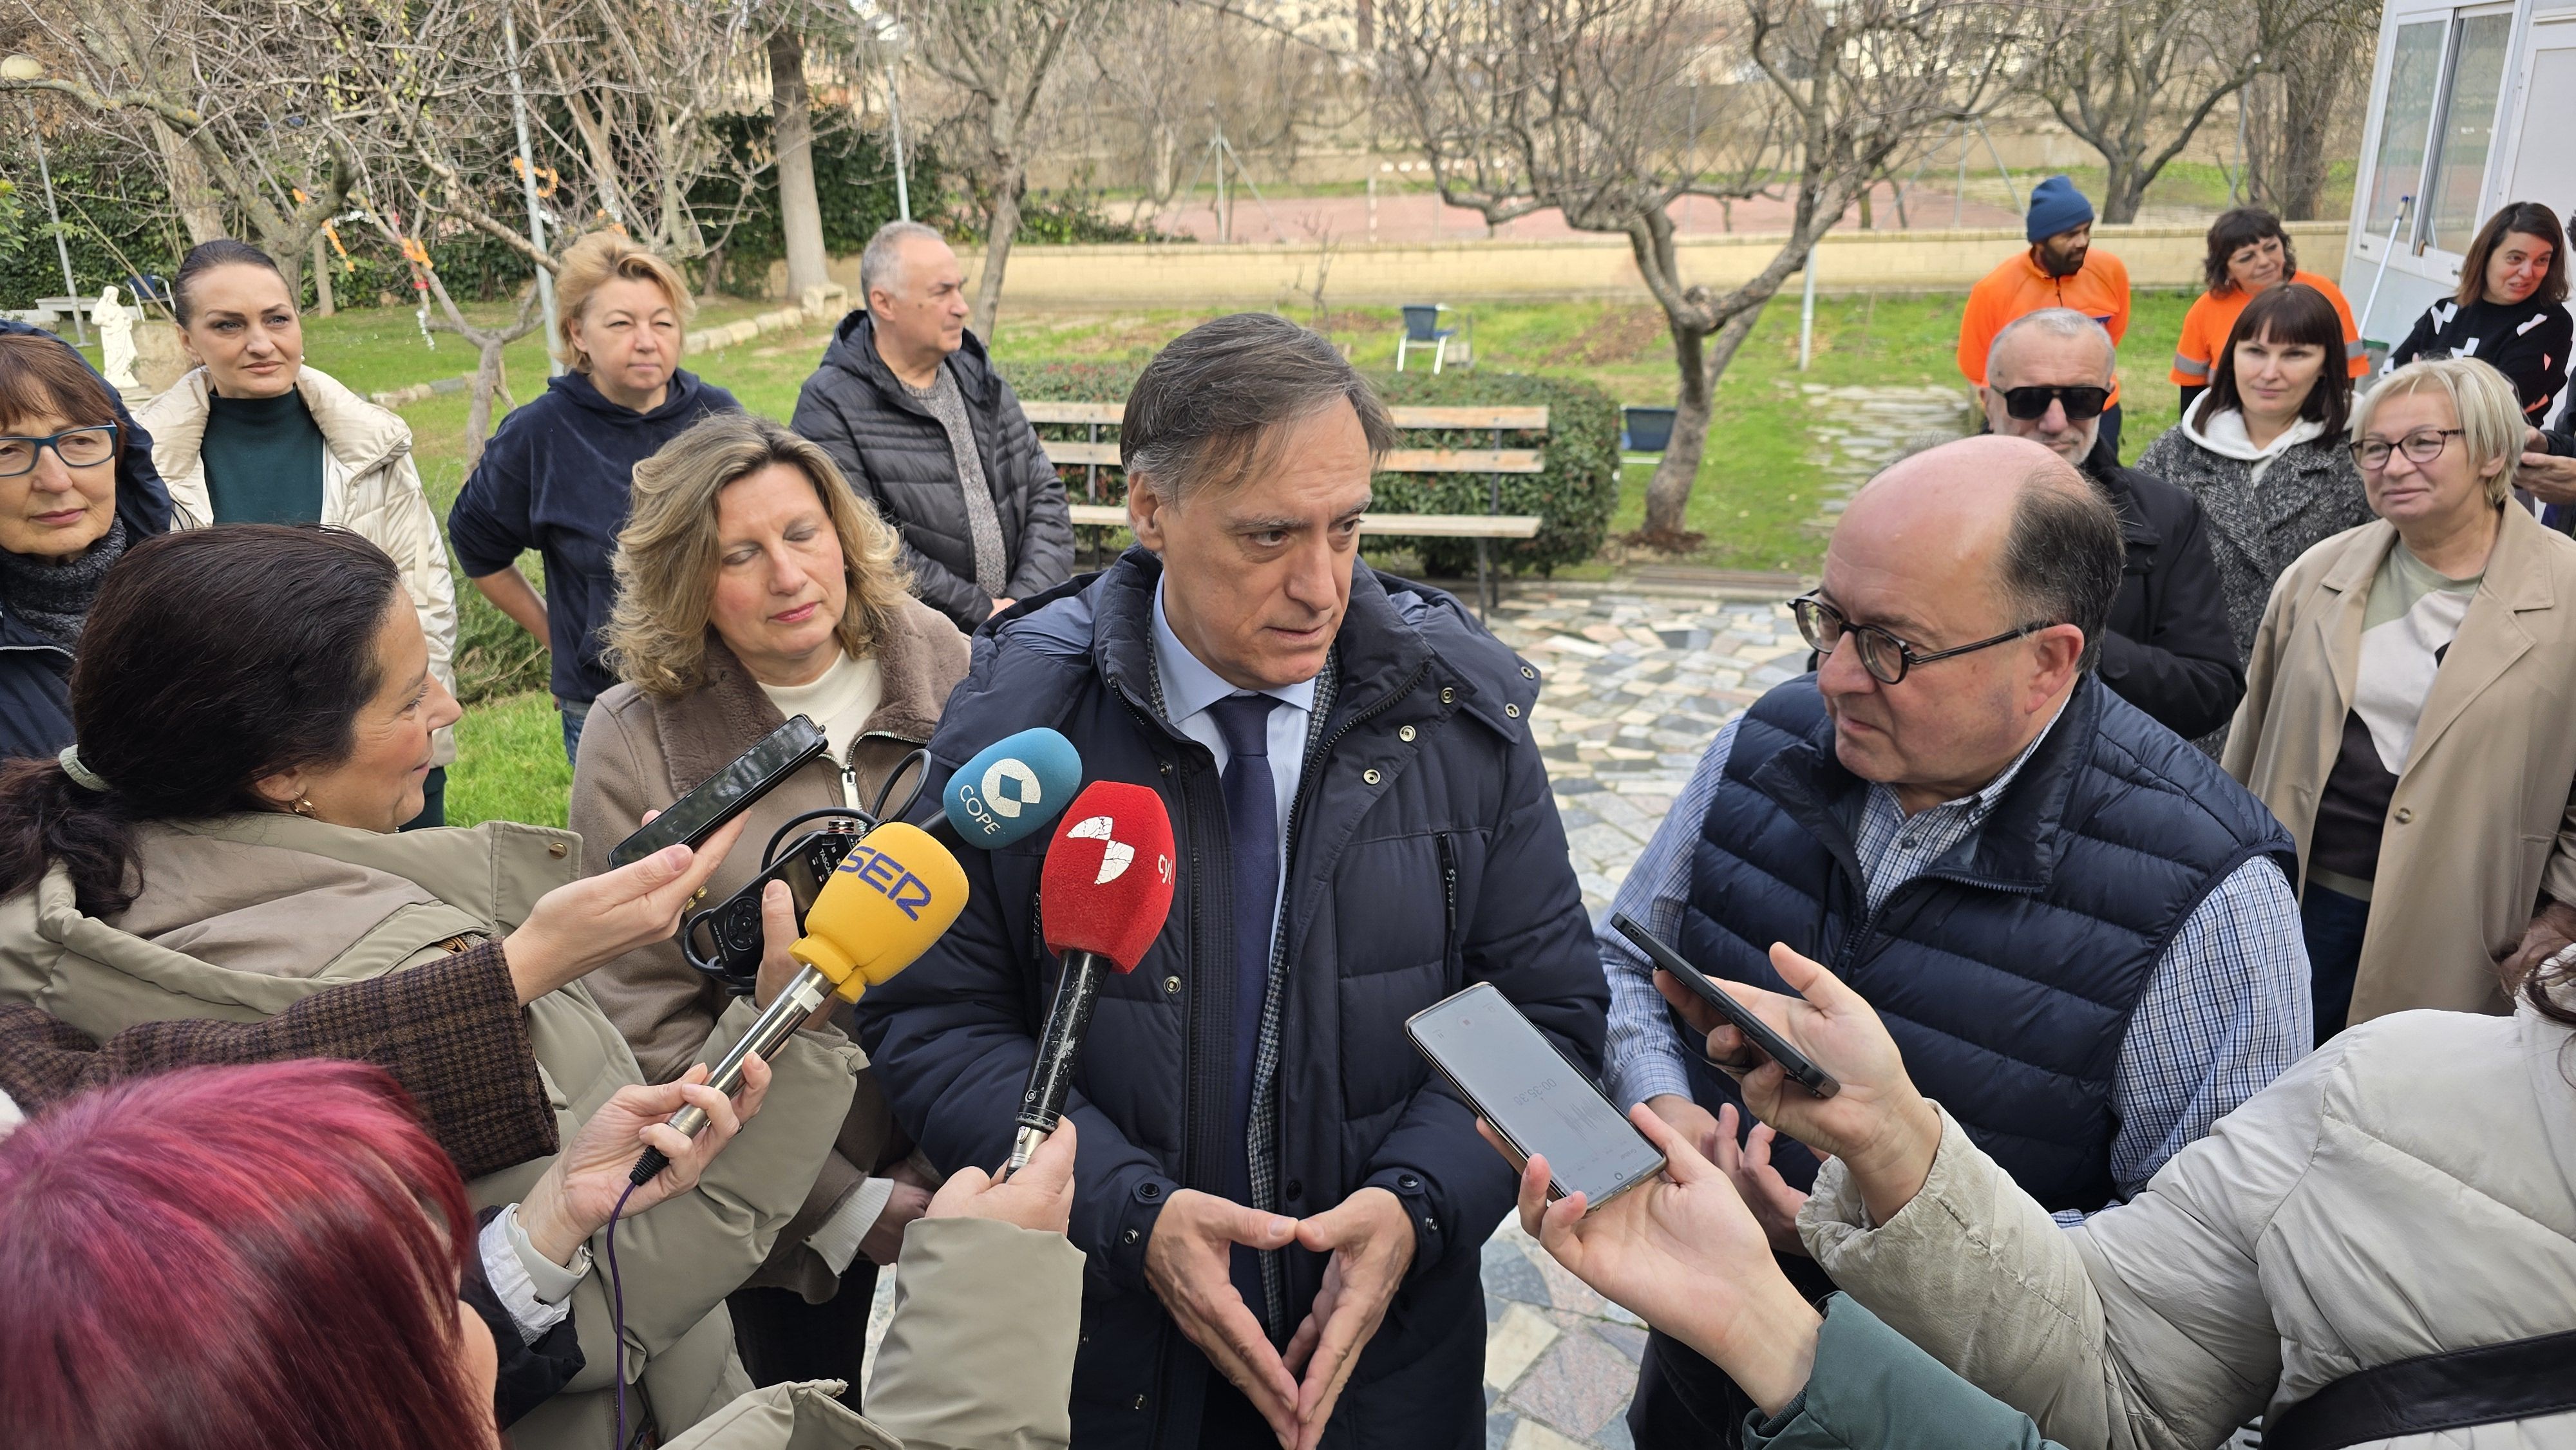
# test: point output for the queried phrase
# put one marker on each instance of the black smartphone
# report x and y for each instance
(1533, 1094)
(725, 941)
(1765, 1041)
(722, 796)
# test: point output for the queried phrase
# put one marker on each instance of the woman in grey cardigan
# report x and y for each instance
(2263, 449)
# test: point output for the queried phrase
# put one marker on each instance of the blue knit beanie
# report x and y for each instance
(2055, 206)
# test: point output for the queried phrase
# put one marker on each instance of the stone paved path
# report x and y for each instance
(1633, 686)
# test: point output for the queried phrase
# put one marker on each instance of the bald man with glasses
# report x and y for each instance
(2080, 932)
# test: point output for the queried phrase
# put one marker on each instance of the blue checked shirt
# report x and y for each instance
(2226, 1012)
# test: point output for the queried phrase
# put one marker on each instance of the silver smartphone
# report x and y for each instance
(1533, 1094)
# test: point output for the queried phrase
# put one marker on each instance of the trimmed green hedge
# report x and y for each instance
(1575, 493)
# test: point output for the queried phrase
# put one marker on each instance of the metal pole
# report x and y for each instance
(1959, 188)
(1807, 313)
(2237, 176)
(71, 289)
(894, 118)
(528, 185)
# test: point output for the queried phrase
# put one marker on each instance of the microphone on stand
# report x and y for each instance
(1103, 895)
(895, 893)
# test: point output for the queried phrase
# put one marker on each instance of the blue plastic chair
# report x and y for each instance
(1422, 329)
(1646, 430)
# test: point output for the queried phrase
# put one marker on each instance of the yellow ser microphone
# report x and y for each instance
(896, 892)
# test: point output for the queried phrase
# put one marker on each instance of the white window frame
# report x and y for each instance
(2414, 254)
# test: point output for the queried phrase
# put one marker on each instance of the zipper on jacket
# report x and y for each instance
(850, 762)
(1448, 896)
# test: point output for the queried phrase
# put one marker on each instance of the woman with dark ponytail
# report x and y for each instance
(253, 709)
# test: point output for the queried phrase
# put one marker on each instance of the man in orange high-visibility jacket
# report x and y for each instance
(2062, 268)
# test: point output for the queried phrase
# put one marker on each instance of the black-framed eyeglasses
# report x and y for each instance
(2422, 446)
(1886, 657)
(76, 447)
(2032, 403)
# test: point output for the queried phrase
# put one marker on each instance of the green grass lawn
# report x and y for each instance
(1754, 496)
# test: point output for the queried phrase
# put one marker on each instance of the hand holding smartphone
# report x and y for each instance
(1770, 1044)
(727, 793)
(1534, 1096)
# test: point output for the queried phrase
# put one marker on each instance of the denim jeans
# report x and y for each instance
(2333, 924)
(575, 713)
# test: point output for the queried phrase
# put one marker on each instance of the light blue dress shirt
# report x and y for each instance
(1189, 687)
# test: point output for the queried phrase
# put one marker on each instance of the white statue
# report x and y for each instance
(116, 336)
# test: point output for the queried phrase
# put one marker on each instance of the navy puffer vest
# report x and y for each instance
(2008, 971)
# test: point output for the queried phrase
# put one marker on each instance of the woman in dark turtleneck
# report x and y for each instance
(254, 436)
(76, 488)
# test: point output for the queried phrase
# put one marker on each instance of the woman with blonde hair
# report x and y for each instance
(752, 586)
(2405, 712)
(555, 476)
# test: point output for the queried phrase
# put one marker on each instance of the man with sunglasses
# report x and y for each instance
(2061, 268)
(2166, 647)
(2080, 933)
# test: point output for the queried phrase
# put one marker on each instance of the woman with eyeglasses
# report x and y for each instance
(2406, 713)
(2263, 450)
(77, 489)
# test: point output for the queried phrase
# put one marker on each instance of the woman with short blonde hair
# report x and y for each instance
(753, 585)
(555, 477)
(2405, 712)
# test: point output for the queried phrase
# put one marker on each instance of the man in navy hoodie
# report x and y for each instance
(1282, 1211)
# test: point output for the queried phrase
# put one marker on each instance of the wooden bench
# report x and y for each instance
(1093, 454)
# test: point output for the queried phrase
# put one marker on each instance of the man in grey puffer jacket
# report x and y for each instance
(908, 404)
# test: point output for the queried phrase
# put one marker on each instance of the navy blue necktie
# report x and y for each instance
(1252, 830)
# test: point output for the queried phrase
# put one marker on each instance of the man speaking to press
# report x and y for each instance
(1282, 1213)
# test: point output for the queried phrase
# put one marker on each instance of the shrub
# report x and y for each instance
(1575, 493)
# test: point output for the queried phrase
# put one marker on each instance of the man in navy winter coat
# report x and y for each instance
(1282, 1210)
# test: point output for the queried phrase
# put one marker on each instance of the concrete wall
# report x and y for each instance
(1199, 275)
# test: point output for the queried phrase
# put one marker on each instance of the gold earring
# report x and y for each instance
(304, 805)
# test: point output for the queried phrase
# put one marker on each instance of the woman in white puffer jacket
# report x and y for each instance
(2408, 1190)
(253, 435)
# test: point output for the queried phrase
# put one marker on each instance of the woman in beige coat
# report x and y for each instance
(2408, 707)
(752, 585)
(254, 710)
(254, 435)
(2407, 1190)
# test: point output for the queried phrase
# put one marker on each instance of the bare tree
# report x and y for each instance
(791, 134)
(2311, 102)
(2135, 79)
(999, 57)
(239, 106)
(619, 92)
(1610, 111)
(1179, 71)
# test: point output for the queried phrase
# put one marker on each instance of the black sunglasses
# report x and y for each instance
(2081, 403)
(1886, 657)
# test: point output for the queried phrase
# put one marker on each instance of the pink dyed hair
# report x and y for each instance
(224, 1258)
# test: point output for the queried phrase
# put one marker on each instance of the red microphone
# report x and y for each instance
(1103, 895)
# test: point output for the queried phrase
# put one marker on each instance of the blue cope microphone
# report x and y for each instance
(1012, 788)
